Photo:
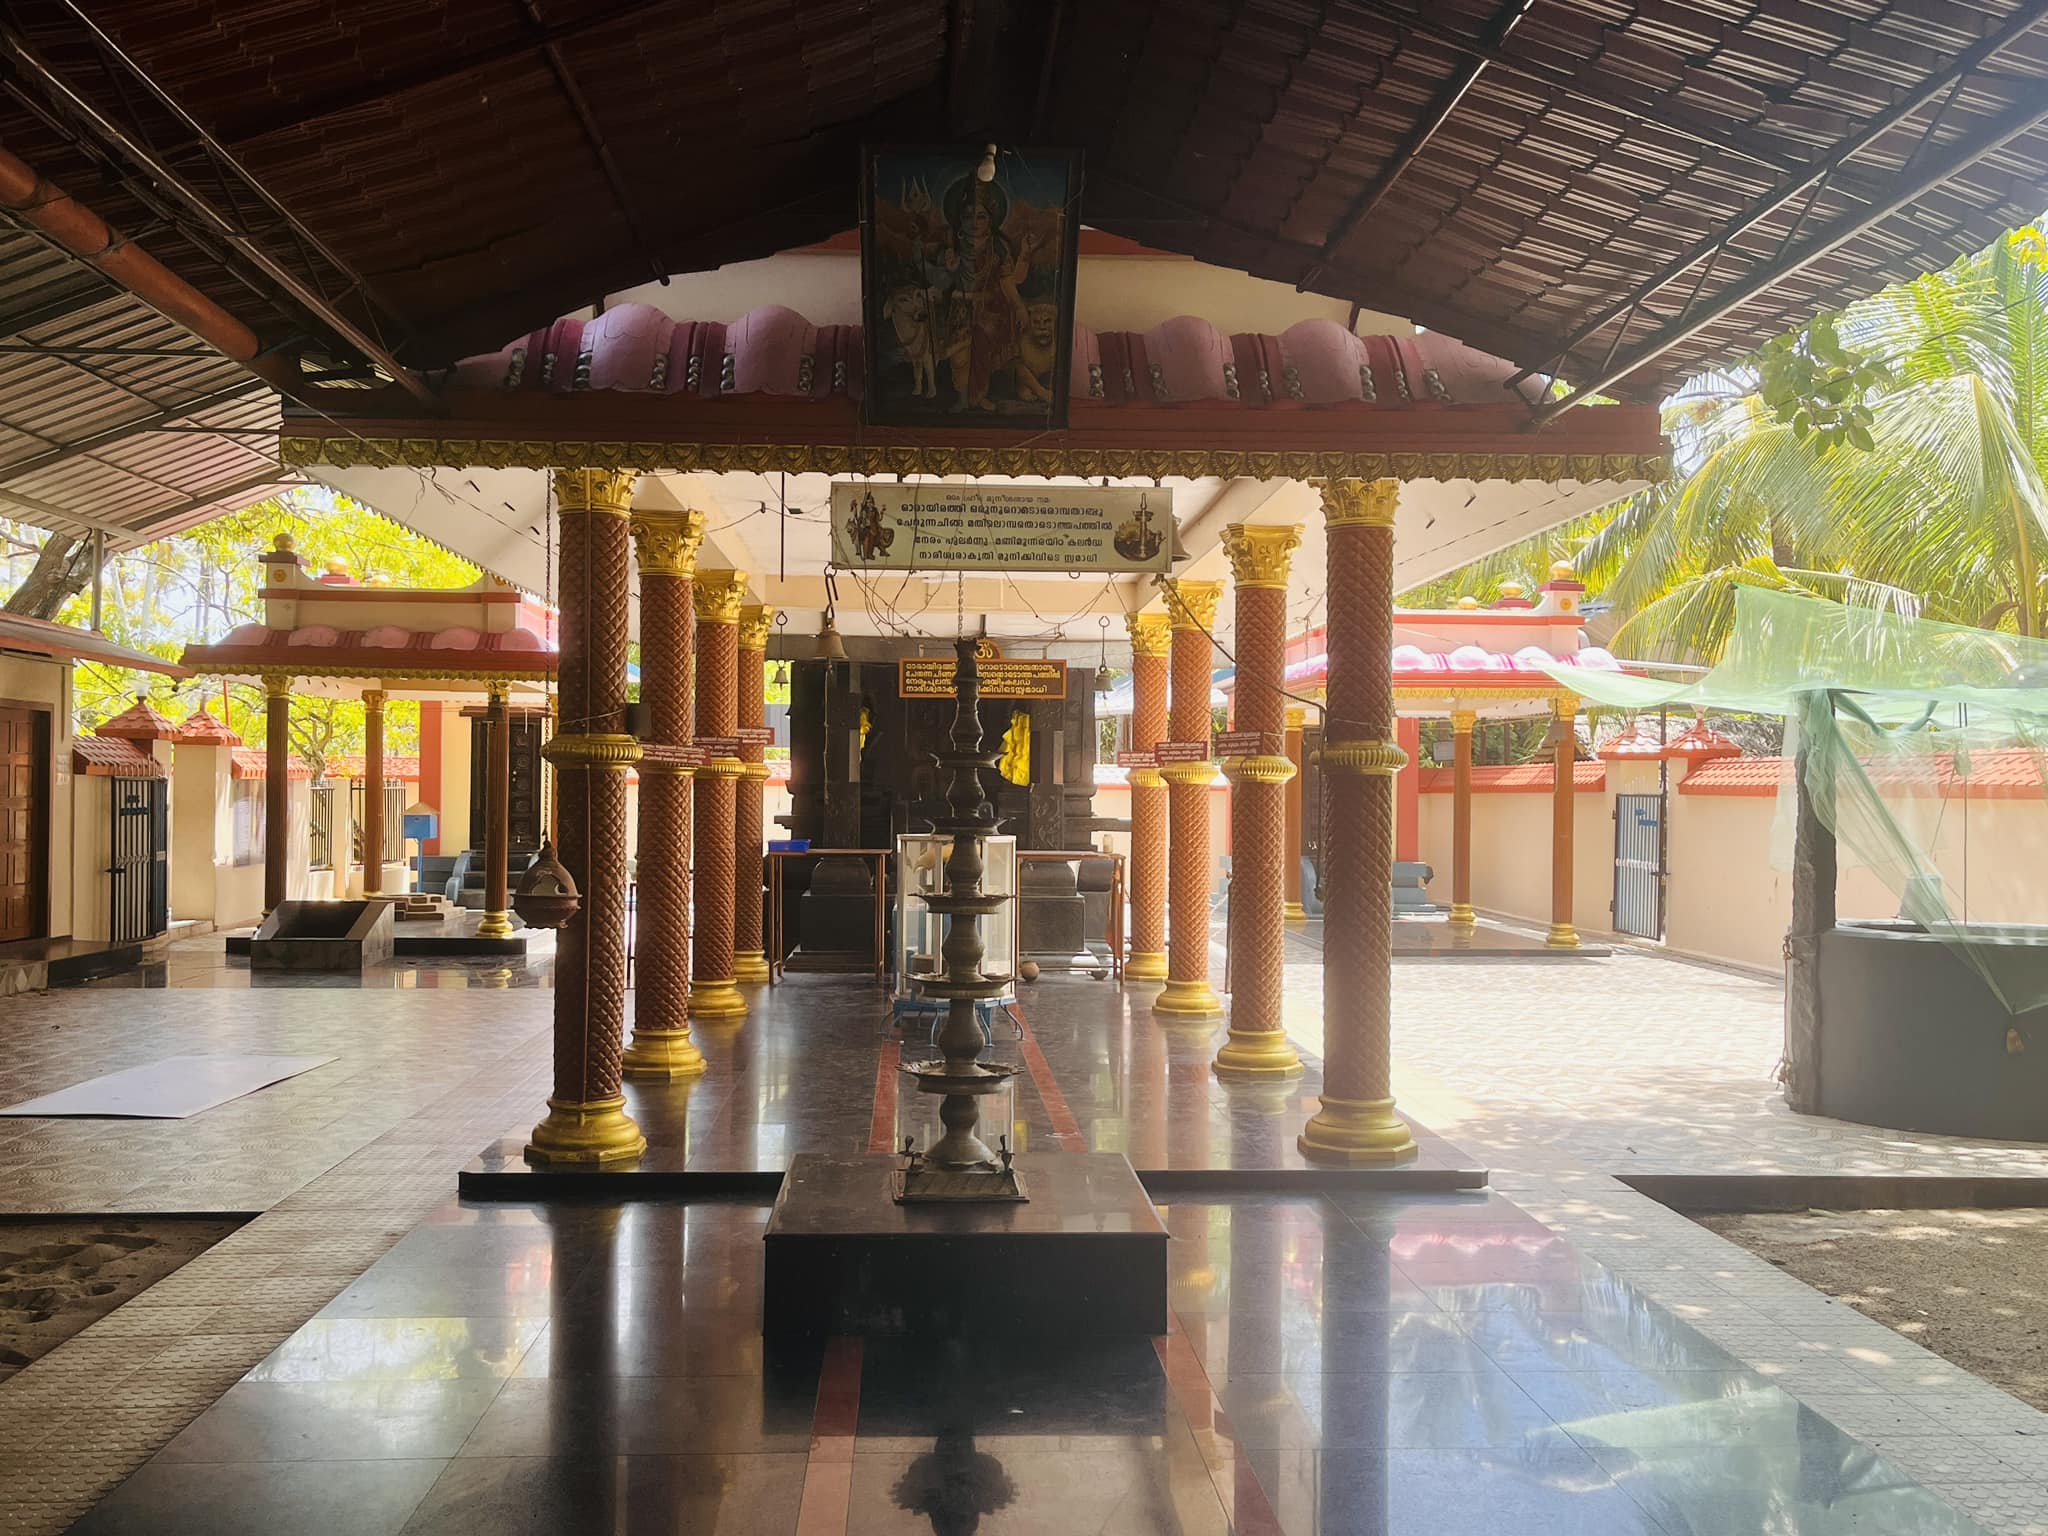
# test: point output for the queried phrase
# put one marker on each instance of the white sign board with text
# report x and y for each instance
(968, 527)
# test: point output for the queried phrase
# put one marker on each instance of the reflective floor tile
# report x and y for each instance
(1298, 1342)
(1538, 1490)
(668, 1341)
(335, 1421)
(1786, 1488)
(700, 1495)
(1637, 1408)
(646, 1415)
(911, 1393)
(1443, 1411)
(992, 1488)
(1581, 1341)
(400, 1349)
(334, 1498)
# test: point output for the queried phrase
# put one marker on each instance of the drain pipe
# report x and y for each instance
(52, 211)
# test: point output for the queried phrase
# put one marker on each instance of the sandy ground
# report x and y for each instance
(1971, 1285)
(59, 1273)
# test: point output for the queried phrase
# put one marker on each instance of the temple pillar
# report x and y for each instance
(1257, 1047)
(1357, 1123)
(1408, 792)
(713, 994)
(1297, 719)
(749, 959)
(665, 546)
(1562, 934)
(373, 791)
(277, 790)
(587, 1120)
(1191, 607)
(1150, 639)
(1462, 915)
(497, 919)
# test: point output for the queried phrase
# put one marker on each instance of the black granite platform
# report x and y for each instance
(1085, 1254)
(815, 1068)
(452, 937)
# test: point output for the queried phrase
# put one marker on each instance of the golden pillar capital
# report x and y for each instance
(1259, 552)
(718, 596)
(374, 698)
(1566, 706)
(275, 687)
(1191, 605)
(666, 543)
(755, 621)
(1151, 633)
(595, 490)
(1297, 717)
(1359, 503)
(1463, 720)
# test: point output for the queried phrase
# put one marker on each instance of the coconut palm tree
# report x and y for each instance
(1894, 456)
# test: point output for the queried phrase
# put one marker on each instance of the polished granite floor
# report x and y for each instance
(1337, 1364)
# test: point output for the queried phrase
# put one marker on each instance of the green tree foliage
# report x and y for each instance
(1894, 455)
(200, 584)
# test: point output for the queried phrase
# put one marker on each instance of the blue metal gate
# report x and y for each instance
(1639, 865)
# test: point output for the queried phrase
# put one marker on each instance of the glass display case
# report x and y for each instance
(921, 871)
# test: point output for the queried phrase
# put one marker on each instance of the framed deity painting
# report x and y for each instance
(967, 286)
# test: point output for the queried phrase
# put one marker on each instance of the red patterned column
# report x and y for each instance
(1357, 1123)
(1463, 918)
(373, 791)
(1563, 795)
(1257, 1048)
(1191, 605)
(749, 959)
(713, 995)
(1150, 640)
(496, 922)
(277, 789)
(666, 546)
(587, 1120)
(1297, 718)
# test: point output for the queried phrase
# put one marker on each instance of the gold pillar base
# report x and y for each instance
(1561, 936)
(1142, 966)
(588, 1134)
(1462, 916)
(1294, 912)
(495, 925)
(1255, 1055)
(1357, 1133)
(1187, 997)
(717, 1000)
(749, 965)
(662, 1054)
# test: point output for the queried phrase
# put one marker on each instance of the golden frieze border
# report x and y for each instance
(939, 459)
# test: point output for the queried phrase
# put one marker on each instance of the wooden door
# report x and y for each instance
(24, 816)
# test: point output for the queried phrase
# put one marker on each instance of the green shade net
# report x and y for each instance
(1922, 749)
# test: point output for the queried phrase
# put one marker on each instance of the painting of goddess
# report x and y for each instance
(967, 276)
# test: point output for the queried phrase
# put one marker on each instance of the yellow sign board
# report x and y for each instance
(931, 677)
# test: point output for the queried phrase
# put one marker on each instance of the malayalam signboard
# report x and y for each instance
(931, 677)
(947, 526)
(1183, 752)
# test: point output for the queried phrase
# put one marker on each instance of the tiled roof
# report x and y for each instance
(252, 763)
(1514, 778)
(353, 765)
(140, 721)
(2014, 774)
(110, 757)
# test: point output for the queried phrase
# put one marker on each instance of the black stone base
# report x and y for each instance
(1085, 1255)
(420, 945)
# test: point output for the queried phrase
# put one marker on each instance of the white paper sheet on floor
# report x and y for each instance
(172, 1089)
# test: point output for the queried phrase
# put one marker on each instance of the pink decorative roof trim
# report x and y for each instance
(1466, 664)
(772, 350)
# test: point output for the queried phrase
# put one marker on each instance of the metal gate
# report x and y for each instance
(138, 879)
(1639, 865)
